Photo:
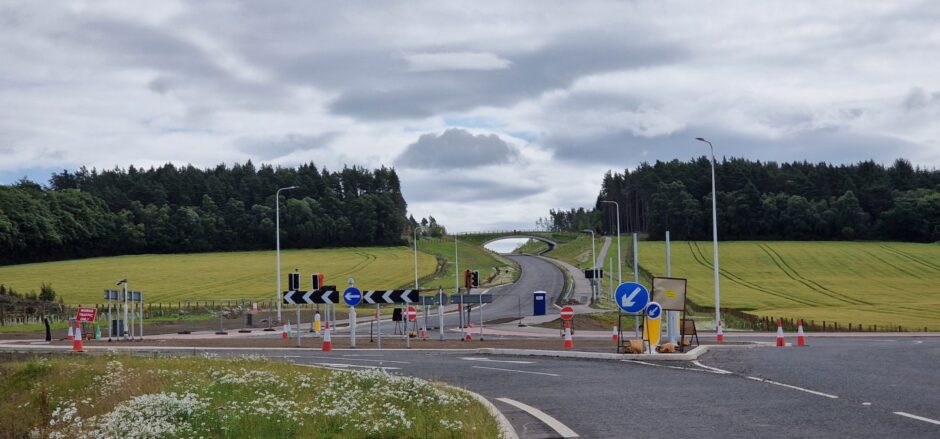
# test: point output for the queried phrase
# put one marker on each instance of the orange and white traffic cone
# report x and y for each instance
(720, 337)
(424, 332)
(615, 336)
(327, 341)
(800, 337)
(77, 340)
(467, 336)
(71, 335)
(569, 343)
(780, 341)
(284, 334)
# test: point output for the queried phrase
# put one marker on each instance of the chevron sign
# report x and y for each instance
(390, 296)
(327, 294)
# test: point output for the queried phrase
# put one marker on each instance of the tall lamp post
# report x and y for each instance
(714, 232)
(619, 264)
(277, 238)
(416, 255)
(593, 266)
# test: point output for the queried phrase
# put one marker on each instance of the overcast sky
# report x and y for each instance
(492, 112)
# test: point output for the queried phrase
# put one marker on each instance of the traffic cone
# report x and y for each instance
(780, 342)
(800, 337)
(720, 337)
(71, 335)
(77, 340)
(327, 341)
(284, 334)
(615, 336)
(97, 332)
(467, 336)
(327, 324)
(569, 343)
(424, 332)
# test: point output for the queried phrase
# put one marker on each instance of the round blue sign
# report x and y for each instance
(632, 297)
(352, 296)
(654, 310)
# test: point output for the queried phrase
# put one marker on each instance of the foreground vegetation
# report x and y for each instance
(133, 397)
(218, 276)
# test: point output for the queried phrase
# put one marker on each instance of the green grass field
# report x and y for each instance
(218, 276)
(469, 256)
(869, 283)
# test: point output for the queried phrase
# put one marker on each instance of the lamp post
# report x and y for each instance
(593, 266)
(123, 283)
(277, 238)
(416, 255)
(619, 264)
(714, 232)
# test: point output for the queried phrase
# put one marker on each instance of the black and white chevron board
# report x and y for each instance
(327, 294)
(390, 296)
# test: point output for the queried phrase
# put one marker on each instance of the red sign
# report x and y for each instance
(412, 313)
(86, 314)
(567, 313)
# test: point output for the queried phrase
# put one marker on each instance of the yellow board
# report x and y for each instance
(651, 324)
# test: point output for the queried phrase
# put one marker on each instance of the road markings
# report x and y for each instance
(667, 366)
(514, 370)
(556, 425)
(351, 359)
(802, 389)
(347, 366)
(713, 369)
(919, 418)
(496, 361)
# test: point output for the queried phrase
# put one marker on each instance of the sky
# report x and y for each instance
(492, 113)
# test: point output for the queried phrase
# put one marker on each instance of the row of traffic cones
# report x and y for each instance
(800, 336)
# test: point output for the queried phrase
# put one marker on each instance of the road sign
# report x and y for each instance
(651, 326)
(390, 296)
(589, 273)
(412, 313)
(472, 298)
(352, 296)
(632, 297)
(567, 313)
(432, 300)
(86, 314)
(111, 294)
(327, 294)
(669, 292)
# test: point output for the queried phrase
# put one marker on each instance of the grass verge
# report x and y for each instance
(134, 397)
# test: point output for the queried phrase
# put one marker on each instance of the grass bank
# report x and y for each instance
(133, 397)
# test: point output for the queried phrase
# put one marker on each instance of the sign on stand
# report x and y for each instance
(651, 327)
(632, 297)
(412, 314)
(567, 313)
(86, 315)
(669, 292)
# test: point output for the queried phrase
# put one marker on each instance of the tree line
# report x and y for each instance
(767, 200)
(171, 209)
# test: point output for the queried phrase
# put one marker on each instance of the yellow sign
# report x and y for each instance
(652, 328)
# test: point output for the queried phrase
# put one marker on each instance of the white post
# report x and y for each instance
(352, 318)
(480, 295)
(594, 269)
(672, 322)
(277, 239)
(440, 313)
(714, 233)
(124, 323)
(378, 326)
(610, 285)
(141, 316)
(636, 278)
(619, 253)
(110, 319)
(457, 289)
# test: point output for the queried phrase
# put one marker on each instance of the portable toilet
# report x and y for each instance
(539, 303)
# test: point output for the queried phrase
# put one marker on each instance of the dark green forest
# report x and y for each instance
(767, 200)
(173, 209)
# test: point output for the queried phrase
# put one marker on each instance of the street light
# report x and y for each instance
(619, 264)
(277, 238)
(416, 255)
(593, 266)
(714, 233)
(123, 283)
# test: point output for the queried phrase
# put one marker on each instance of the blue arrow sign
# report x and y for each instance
(632, 297)
(654, 310)
(352, 296)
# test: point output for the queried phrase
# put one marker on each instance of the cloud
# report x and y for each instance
(456, 148)
(468, 189)
(429, 62)
(276, 147)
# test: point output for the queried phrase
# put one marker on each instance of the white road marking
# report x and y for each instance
(351, 359)
(667, 366)
(556, 425)
(919, 418)
(347, 366)
(713, 369)
(866, 403)
(793, 387)
(918, 341)
(496, 361)
(514, 370)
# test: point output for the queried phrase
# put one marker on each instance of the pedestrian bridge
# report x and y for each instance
(484, 238)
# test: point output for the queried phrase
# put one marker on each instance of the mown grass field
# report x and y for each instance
(218, 276)
(469, 256)
(128, 396)
(868, 283)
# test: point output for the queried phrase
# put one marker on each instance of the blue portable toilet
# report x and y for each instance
(539, 302)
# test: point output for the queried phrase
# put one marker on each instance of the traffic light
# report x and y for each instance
(316, 281)
(476, 278)
(293, 281)
(467, 279)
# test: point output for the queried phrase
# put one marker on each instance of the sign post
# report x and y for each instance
(412, 314)
(440, 312)
(631, 298)
(352, 296)
(652, 325)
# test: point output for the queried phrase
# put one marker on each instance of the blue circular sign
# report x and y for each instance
(654, 310)
(352, 296)
(632, 297)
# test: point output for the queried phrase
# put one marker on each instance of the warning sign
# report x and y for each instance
(86, 314)
(669, 292)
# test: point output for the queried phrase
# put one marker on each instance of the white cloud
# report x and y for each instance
(429, 62)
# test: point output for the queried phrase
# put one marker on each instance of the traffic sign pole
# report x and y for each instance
(353, 296)
(440, 313)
